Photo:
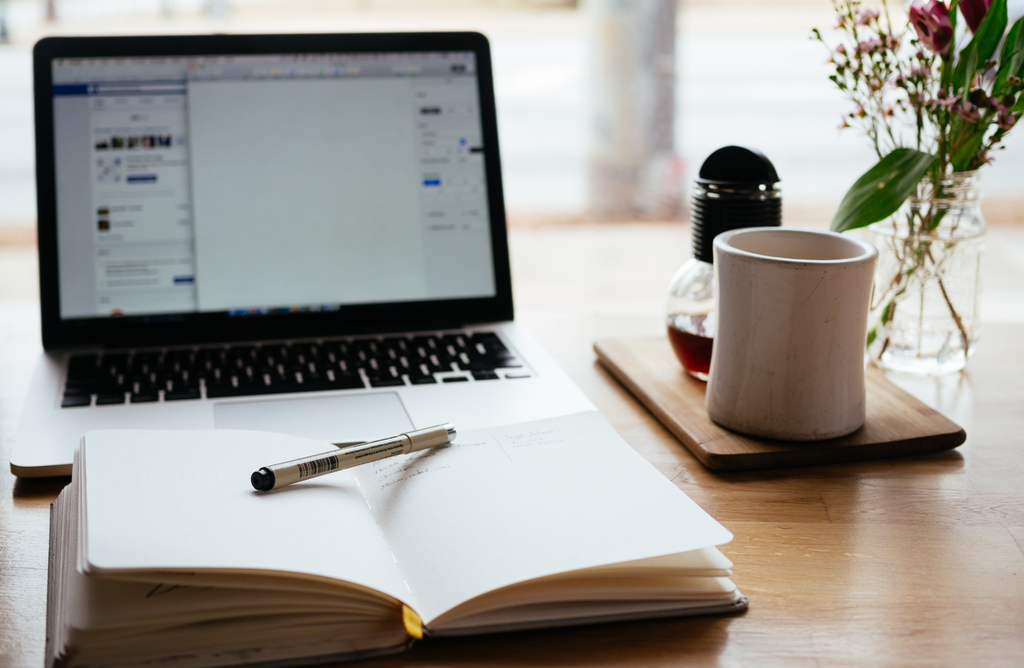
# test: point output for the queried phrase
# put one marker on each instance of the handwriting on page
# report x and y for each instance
(390, 472)
(524, 439)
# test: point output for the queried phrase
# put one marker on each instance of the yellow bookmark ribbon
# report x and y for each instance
(413, 623)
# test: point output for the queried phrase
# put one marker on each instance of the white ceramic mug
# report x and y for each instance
(792, 308)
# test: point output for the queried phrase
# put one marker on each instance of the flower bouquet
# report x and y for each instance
(934, 114)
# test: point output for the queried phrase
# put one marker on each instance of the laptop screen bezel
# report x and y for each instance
(193, 328)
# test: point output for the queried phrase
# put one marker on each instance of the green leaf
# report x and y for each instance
(991, 30)
(972, 67)
(1011, 56)
(965, 154)
(983, 44)
(1011, 44)
(882, 189)
(887, 312)
(1019, 107)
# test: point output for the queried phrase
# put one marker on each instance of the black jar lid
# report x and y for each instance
(739, 166)
(735, 189)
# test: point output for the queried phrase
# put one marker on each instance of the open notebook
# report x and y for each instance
(555, 522)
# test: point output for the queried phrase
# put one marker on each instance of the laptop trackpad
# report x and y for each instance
(362, 417)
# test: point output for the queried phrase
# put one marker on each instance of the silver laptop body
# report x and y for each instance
(292, 233)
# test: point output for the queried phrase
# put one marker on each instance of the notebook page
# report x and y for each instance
(507, 504)
(91, 603)
(183, 500)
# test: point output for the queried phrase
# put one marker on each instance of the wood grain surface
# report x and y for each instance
(915, 561)
(897, 424)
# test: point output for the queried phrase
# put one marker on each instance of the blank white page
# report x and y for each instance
(508, 504)
(183, 500)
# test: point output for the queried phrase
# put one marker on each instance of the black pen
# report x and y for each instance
(304, 468)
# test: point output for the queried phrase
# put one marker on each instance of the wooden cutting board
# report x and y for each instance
(897, 424)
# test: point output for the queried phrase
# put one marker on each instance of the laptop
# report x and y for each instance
(293, 233)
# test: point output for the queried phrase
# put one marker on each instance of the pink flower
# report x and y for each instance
(866, 16)
(974, 11)
(930, 19)
(969, 113)
(920, 70)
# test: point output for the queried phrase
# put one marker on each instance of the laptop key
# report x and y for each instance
(487, 344)
(80, 387)
(386, 381)
(454, 343)
(336, 350)
(396, 346)
(420, 374)
(113, 387)
(238, 386)
(455, 379)
(105, 399)
(508, 363)
(145, 397)
(180, 357)
(70, 401)
(344, 381)
(211, 358)
(224, 390)
(181, 387)
(305, 353)
(479, 363)
(485, 375)
(288, 388)
(143, 364)
(181, 394)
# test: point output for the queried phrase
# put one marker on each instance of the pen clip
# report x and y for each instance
(348, 444)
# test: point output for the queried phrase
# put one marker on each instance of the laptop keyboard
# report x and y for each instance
(243, 370)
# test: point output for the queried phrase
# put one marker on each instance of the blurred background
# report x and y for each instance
(606, 108)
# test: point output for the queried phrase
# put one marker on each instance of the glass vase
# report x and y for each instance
(924, 309)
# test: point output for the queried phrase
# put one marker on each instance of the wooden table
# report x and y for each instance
(916, 561)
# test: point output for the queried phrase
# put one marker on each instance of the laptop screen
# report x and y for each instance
(267, 184)
(251, 187)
